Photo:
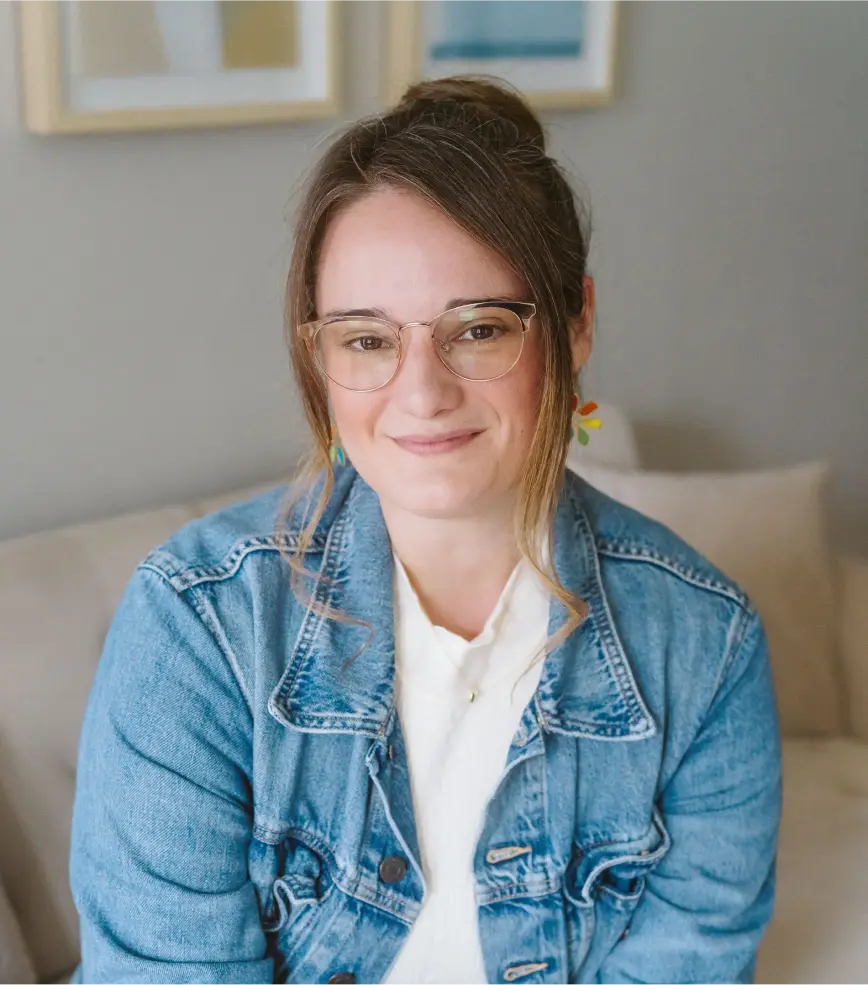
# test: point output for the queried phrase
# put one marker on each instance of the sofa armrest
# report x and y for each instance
(853, 628)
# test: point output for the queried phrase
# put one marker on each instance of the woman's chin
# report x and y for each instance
(449, 497)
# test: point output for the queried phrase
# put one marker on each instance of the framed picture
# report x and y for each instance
(559, 53)
(100, 65)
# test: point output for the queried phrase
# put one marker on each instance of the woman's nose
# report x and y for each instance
(422, 381)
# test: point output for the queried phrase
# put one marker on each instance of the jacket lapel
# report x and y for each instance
(340, 674)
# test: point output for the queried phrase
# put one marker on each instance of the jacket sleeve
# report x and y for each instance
(162, 820)
(707, 903)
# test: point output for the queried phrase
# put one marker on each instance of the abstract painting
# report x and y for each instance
(157, 37)
(559, 53)
(131, 64)
(481, 29)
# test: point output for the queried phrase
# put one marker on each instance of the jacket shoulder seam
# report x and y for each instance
(182, 575)
(738, 632)
(215, 628)
(210, 624)
(648, 555)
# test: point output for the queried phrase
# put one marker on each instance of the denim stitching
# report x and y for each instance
(312, 620)
(532, 890)
(184, 576)
(615, 659)
(612, 651)
(210, 626)
(628, 552)
(737, 633)
(353, 886)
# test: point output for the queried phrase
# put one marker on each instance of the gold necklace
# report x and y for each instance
(472, 689)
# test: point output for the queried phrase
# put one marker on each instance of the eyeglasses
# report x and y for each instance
(478, 341)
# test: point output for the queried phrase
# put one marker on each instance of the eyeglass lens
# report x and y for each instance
(362, 353)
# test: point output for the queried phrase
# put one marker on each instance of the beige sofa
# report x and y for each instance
(58, 591)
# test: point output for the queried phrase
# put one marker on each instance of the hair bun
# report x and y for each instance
(490, 98)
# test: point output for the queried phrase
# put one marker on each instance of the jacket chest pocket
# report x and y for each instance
(603, 885)
(293, 883)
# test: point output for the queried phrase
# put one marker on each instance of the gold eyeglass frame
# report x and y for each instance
(525, 310)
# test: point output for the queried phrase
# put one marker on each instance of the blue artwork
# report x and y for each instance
(481, 29)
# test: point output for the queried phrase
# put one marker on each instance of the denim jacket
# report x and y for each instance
(242, 779)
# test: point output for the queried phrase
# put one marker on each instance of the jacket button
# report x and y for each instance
(393, 868)
(343, 978)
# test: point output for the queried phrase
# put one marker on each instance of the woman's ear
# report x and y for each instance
(582, 328)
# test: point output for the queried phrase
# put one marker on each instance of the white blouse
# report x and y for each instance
(459, 705)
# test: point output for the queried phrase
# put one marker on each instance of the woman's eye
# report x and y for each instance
(483, 332)
(366, 343)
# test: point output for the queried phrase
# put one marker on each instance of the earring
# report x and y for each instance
(581, 418)
(336, 452)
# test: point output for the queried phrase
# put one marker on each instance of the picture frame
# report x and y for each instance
(91, 66)
(561, 54)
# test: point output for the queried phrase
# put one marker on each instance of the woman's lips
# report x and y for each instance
(420, 444)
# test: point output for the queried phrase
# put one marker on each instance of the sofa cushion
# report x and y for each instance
(15, 963)
(765, 530)
(58, 591)
(853, 614)
(817, 933)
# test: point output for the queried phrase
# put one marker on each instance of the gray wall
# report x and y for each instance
(141, 355)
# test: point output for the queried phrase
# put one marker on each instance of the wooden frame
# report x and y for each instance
(45, 110)
(403, 58)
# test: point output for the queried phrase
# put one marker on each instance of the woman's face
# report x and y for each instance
(429, 443)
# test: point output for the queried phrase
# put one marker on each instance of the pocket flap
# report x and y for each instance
(625, 862)
(299, 885)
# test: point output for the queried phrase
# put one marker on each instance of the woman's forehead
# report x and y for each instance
(394, 251)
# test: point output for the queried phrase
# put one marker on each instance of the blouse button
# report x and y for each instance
(393, 868)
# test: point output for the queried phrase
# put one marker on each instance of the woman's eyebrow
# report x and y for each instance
(457, 302)
(356, 313)
(380, 313)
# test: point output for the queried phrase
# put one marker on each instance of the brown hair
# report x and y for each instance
(476, 151)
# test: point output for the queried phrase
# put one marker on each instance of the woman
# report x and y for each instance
(487, 724)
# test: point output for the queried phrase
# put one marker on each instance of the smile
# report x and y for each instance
(440, 444)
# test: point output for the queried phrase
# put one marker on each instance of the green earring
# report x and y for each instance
(336, 452)
(581, 419)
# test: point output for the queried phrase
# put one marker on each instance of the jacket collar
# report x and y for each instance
(340, 674)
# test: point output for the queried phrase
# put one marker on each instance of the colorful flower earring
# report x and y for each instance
(582, 420)
(336, 452)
